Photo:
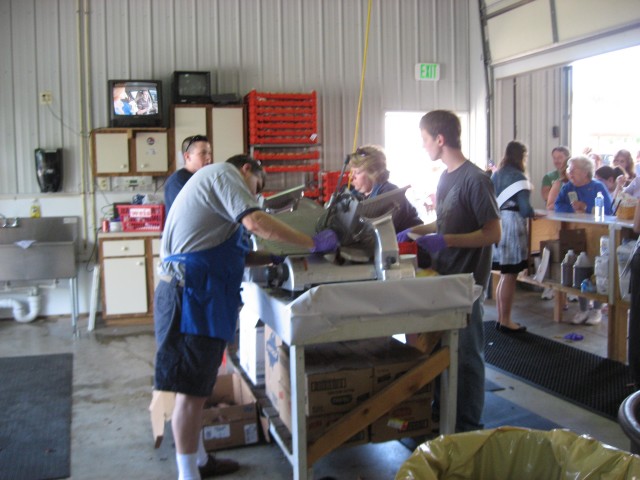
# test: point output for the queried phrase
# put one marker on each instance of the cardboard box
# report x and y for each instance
(251, 352)
(336, 380)
(411, 418)
(318, 424)
(575, 240)
(233, 423)
(389, 358)
(554, 250)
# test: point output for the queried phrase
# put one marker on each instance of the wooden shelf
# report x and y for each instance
(599, 297)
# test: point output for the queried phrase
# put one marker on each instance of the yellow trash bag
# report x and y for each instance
(518, 453)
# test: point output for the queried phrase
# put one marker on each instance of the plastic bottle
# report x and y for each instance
(34, 211)
(566, 269)
(583, 268)
(598, 208)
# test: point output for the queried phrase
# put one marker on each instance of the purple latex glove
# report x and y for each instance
(325, 241)
(432, 243)
(403, 236)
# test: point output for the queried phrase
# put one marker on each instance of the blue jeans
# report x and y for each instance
(471, 372)
(470, 396)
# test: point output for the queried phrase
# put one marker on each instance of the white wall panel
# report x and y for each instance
(270, 45)
(8, 179)
(526, 109)
(579, 18)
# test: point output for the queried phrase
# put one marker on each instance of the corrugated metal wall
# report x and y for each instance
(269, 45)
(526, 109)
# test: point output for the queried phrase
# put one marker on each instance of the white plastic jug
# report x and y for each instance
(582, 269)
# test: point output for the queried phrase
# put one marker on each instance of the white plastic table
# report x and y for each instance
(355, 311)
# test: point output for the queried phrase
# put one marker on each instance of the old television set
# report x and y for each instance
(135, 103)
(191, 87)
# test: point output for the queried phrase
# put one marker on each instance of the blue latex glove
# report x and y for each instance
(403, 236)
(276, 259)
(325, 241)
(432, 243)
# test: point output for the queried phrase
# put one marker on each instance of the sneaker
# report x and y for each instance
(572, 298)
(580, 317)
(547, 293)
(218, 466)
(594, 318)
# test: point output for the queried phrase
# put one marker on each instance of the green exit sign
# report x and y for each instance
(428, 71)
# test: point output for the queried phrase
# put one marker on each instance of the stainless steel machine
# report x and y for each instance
(368, 247)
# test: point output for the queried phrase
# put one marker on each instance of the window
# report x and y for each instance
(409, 163)
(606, 103)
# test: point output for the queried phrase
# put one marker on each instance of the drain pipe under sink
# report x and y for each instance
(20, 313)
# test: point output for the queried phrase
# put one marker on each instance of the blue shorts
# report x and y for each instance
(185, 364)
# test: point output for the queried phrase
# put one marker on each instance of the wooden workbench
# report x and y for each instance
(548, 228)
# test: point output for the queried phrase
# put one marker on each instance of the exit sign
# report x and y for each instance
(428, 71)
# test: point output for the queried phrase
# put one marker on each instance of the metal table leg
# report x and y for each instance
(298, 417)
(73, 287)
(449, 385)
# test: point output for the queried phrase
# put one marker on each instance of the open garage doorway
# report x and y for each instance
(606, 104)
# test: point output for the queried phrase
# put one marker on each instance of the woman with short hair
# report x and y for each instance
(370, 177)
(578, 195)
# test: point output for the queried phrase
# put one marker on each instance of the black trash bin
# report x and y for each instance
(628, 415)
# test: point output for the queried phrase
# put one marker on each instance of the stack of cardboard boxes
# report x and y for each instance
(340, 376)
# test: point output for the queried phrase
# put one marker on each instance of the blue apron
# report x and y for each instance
(211, 294)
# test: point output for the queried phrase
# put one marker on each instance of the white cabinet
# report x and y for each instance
(125, 285)
(151, 152)
(130, 151)
(228, 133)
(111, 152)
(223, 125)
(128, 262)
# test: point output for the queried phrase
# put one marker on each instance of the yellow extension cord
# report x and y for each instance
(364, 69)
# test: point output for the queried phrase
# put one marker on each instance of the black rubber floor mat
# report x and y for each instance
(595, 383)
(35, 425)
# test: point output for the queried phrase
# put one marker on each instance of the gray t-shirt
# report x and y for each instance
(207, 212)
(465, 201)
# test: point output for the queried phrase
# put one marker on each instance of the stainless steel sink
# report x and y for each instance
(52, 254)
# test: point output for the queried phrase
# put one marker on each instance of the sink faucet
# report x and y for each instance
(8, 222)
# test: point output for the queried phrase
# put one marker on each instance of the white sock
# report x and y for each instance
(203, 456)
(187, 466)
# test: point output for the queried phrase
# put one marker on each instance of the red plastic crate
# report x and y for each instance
(329, 182)
(405, 248)
(139, 218)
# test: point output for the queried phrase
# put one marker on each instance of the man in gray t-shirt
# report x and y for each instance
(204, 251)
(467, 225)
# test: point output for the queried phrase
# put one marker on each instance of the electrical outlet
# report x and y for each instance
(103, 183)
(46, 97)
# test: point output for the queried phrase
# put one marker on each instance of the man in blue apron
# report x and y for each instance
(204, 245)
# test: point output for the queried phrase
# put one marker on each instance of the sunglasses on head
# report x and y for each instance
(360, 152)
(194, 139)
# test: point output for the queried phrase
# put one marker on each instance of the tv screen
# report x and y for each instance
(135, 103)
(191, 87)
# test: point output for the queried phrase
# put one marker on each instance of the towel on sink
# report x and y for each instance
(25, 243)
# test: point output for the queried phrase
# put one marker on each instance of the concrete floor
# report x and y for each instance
(112, 383)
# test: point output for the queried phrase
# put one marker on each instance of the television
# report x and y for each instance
(135, 103)
(191, 87)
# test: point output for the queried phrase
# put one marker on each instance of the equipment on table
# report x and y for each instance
(368, 247)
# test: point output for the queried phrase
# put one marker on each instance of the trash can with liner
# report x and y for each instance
(511, 452)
